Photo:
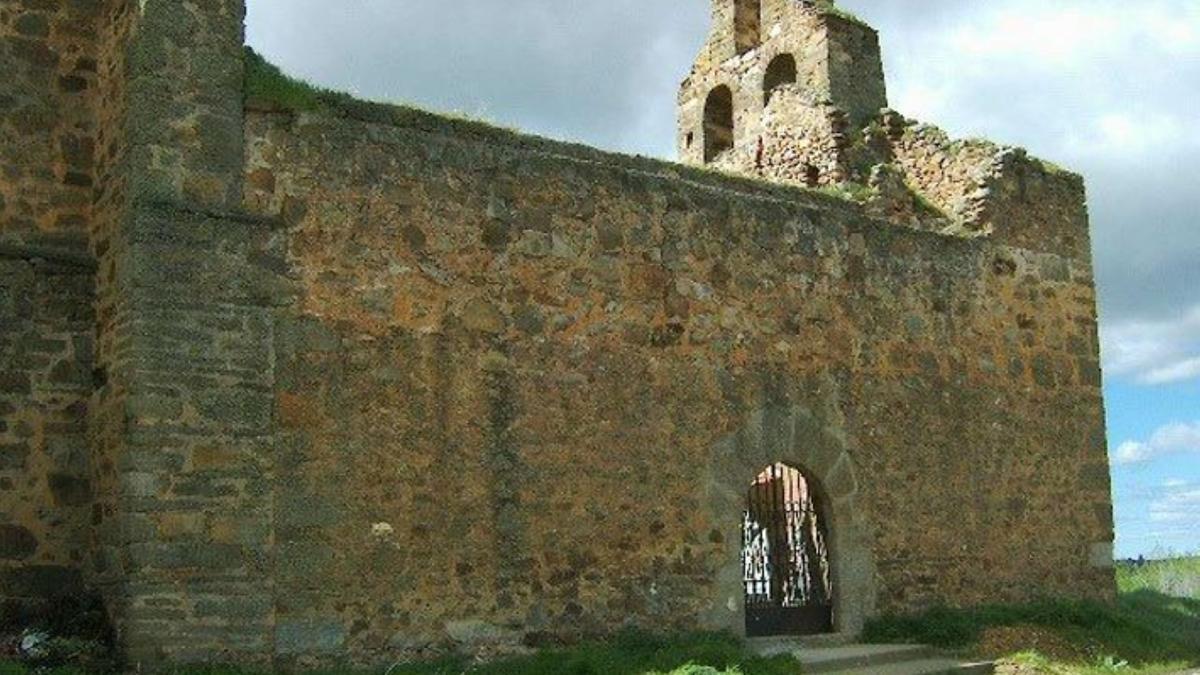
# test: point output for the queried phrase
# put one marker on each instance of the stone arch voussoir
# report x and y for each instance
(796, 437)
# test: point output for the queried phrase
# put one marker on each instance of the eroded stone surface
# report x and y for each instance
(303, 389)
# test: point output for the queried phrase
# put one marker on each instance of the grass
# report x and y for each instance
(1153, 627)
(639, 654)
(627, 654)
(850, 190)
(830, 7)
(267, 87)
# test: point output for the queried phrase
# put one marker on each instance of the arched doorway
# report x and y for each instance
(785, 556)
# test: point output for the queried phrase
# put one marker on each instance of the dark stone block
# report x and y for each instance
(41, 581)
(70, 490)
(271, 263)
(70, 372)
(14, 383)
(1043, 372)
(13, 456)
(32, 25)
(16, 542)
(415, 237)
(78, 152)
(207, 556)
(77, 179)
(610, 237)
(1090, 373)
(237, 408)
(298, 510)
(495, 235)
(34, 52)
(529, 320)
(72, 83)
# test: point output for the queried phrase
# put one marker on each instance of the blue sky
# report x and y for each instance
(1109, 88)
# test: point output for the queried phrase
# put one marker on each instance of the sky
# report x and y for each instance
(1108, 88)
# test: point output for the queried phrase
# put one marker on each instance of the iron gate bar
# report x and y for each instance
(785, 560)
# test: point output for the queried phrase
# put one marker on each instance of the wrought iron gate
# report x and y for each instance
(785, 560)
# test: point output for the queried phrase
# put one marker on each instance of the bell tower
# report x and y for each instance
(778, 88)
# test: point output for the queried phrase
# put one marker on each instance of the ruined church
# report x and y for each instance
(357, 383)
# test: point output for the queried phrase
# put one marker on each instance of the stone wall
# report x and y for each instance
(48, 55)
(856, 81)
(47, 132)
(520, 385)
(366, 390)
(45, 380)
(802, 141)
(977, 187)
(182, 427)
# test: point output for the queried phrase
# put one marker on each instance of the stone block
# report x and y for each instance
(40, 581)
(297, 509)
(16, 542)
(70, 491)
(197, 556)
(14, 382)
(13, 456)
(309, 636)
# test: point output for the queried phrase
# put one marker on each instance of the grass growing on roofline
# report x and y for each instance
(268, 87)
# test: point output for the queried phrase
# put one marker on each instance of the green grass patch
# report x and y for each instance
(852, 191)
(1153, 627)
(830, 7)
(1177, 576)
(267, 87)
(639, 654)
(627, 654)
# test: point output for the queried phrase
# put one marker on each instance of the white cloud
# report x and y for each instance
(1042, 32)
(1078, 31)
(1184, 370)
(1177, 506)
(1154, 352)
(1167, 440)
(1140, 135)
(1132, 452)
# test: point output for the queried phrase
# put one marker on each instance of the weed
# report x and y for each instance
(1153, 627)
(630, 653)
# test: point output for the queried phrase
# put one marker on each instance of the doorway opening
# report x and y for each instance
(785, 556)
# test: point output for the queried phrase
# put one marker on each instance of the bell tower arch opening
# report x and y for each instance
(785, 556)
(747, 25)
(718, 123)
(781, 72)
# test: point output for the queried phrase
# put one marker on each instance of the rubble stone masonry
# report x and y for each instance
(296, 388)
(47, 145)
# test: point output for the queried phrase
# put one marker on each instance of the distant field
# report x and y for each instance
(1177, 577)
